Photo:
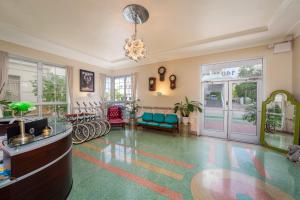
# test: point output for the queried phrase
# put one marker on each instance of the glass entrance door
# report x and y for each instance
(215, 111)
(231, 111)
(244, 111)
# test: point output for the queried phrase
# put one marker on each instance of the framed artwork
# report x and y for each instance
(87, 81)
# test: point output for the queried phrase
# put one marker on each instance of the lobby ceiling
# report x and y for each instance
(93, 31)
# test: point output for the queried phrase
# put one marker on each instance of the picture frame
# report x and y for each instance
(87, 81)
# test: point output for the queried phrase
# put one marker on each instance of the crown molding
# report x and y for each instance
(14, 35)
(277, 26)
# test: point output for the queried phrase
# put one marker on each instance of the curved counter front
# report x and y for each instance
(41, 169)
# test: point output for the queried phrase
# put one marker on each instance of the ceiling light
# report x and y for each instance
(134, 47)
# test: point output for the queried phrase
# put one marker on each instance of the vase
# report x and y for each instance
(185, 120)
(132, 115)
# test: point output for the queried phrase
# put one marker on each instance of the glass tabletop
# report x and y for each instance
(56, 128)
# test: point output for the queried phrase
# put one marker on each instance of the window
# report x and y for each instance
(107, 92)
(128, 91)
(243, 69)
(118, 88)
(43, 84)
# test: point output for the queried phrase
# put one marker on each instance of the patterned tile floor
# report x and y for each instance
(153, 165)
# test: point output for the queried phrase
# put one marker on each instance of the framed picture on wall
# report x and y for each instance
(87, 81)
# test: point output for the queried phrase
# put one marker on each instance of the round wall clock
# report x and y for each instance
(172, 79)
(162, 71)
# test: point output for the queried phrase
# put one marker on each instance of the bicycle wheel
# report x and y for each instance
(107, 125)
(81, 133)
(98, 127)
(91, 128)
(74, 138)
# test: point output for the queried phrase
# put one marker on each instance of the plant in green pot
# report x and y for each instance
(185, 108)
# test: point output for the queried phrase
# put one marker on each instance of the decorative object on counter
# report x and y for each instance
(87, 81)
(134, 47)
(280, 121)
(172, 79)
(47, 131)
(152, 83)
(186, 108)
(132, 107)
(22, 138)
(294, 153)
(162, 71)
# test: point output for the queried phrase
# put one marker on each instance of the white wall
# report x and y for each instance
(296, 68)
(277, 75)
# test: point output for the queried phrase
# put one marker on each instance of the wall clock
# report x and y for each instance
(162, 71)
(152, 83)
(172, 79)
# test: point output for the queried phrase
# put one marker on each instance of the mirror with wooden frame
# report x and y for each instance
(280, 121)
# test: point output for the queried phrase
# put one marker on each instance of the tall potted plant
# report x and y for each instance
(186, 107)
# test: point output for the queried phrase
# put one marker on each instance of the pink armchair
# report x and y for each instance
(115, 117)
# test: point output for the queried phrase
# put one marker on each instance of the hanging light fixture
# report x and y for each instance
(134, 47)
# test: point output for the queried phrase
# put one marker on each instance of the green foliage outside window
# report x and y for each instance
(54, 88)
(119, 96)
(245, 90)
(249, 71)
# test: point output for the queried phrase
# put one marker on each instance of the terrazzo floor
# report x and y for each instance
(137, 164)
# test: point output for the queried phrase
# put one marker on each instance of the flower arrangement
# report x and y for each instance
(133, 107)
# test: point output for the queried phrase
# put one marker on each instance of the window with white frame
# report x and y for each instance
(118, 88)
(107, 92)
(43, 84)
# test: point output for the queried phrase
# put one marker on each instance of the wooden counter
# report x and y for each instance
(40, 170)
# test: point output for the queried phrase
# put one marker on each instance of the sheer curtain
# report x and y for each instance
(134, 85)
(102, 85)
(3, 73)
(70, 86)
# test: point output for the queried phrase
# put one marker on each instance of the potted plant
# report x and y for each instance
(132, 107)
(3, 105)
(186, 108)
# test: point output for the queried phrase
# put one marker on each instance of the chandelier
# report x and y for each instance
(134, 47)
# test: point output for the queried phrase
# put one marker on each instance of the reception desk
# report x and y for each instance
(41, 169)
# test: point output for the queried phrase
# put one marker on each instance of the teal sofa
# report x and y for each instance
(168, 122)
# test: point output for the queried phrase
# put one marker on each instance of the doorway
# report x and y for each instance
(230, 110)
